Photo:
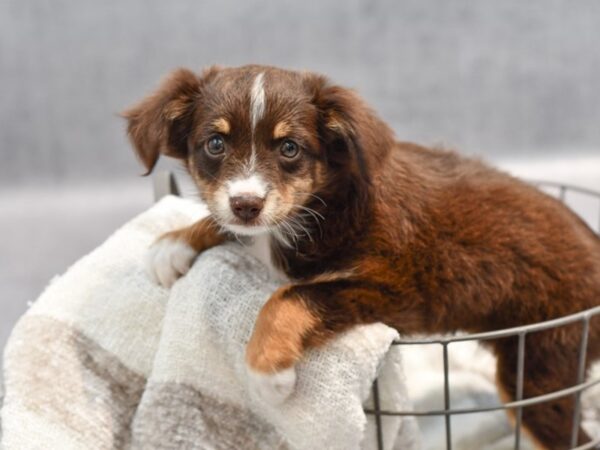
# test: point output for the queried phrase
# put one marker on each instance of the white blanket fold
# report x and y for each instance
(106, 359)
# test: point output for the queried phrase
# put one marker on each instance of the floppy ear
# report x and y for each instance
(354, 136)
(161, 122)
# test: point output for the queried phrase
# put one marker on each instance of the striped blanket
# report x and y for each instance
(106, 359)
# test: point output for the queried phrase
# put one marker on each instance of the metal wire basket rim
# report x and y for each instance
(505, 332)
(511, 405)
(564, 186)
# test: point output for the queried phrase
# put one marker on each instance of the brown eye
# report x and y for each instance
(215, 145)
(289, 149)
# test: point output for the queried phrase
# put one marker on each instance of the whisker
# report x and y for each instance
(280, 236)
(306, 214)
(311, 211)
(312, 195)
(292, 233)
(302, 227)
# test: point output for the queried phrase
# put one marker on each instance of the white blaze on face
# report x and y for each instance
(257, 111)
(257, 100)
(250, 182)
(251, 186)
(254, 186)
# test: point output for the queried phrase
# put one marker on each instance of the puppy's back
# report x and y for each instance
(518, 244)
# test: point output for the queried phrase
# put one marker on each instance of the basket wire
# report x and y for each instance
(521, 333)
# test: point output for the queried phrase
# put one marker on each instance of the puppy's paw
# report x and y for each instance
(168, 259)
(273, 388)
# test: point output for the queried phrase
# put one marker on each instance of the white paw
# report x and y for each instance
(168, 259)
(273, 388)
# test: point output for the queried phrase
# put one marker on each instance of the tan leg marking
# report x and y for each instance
(277, 340)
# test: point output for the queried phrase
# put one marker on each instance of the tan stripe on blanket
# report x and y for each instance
(177, 416)
(62, 375)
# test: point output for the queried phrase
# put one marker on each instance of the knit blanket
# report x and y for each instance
(106, 359)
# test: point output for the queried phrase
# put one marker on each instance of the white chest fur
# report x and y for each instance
(260, 247)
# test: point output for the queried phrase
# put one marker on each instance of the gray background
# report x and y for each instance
(513, 81)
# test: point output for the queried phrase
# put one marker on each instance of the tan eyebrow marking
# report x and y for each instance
(334, 123)
(281, 130)
(222, 125)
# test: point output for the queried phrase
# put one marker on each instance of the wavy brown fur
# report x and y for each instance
(423, 240)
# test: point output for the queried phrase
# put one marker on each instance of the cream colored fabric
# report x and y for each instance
(472, 385)
(107, 359)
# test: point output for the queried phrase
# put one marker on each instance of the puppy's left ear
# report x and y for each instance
(353, 134)
(161, 123)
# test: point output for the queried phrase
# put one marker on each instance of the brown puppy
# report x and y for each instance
(368, 229)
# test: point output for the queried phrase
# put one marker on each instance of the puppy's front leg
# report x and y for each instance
(295, 319)
(171, 256)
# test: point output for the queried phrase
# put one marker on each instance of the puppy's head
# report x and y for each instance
(263, 144)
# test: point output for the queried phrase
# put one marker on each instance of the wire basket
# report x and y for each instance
(164, 184)
(562, 191)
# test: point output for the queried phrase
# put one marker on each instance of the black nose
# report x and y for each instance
(246, 207)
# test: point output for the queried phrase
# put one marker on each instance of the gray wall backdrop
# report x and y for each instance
(491, 77)
(505, 79)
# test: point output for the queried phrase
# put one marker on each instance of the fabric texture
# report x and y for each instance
(472, 374)
(107, 359)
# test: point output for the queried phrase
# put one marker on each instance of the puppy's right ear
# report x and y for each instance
(161, 122)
